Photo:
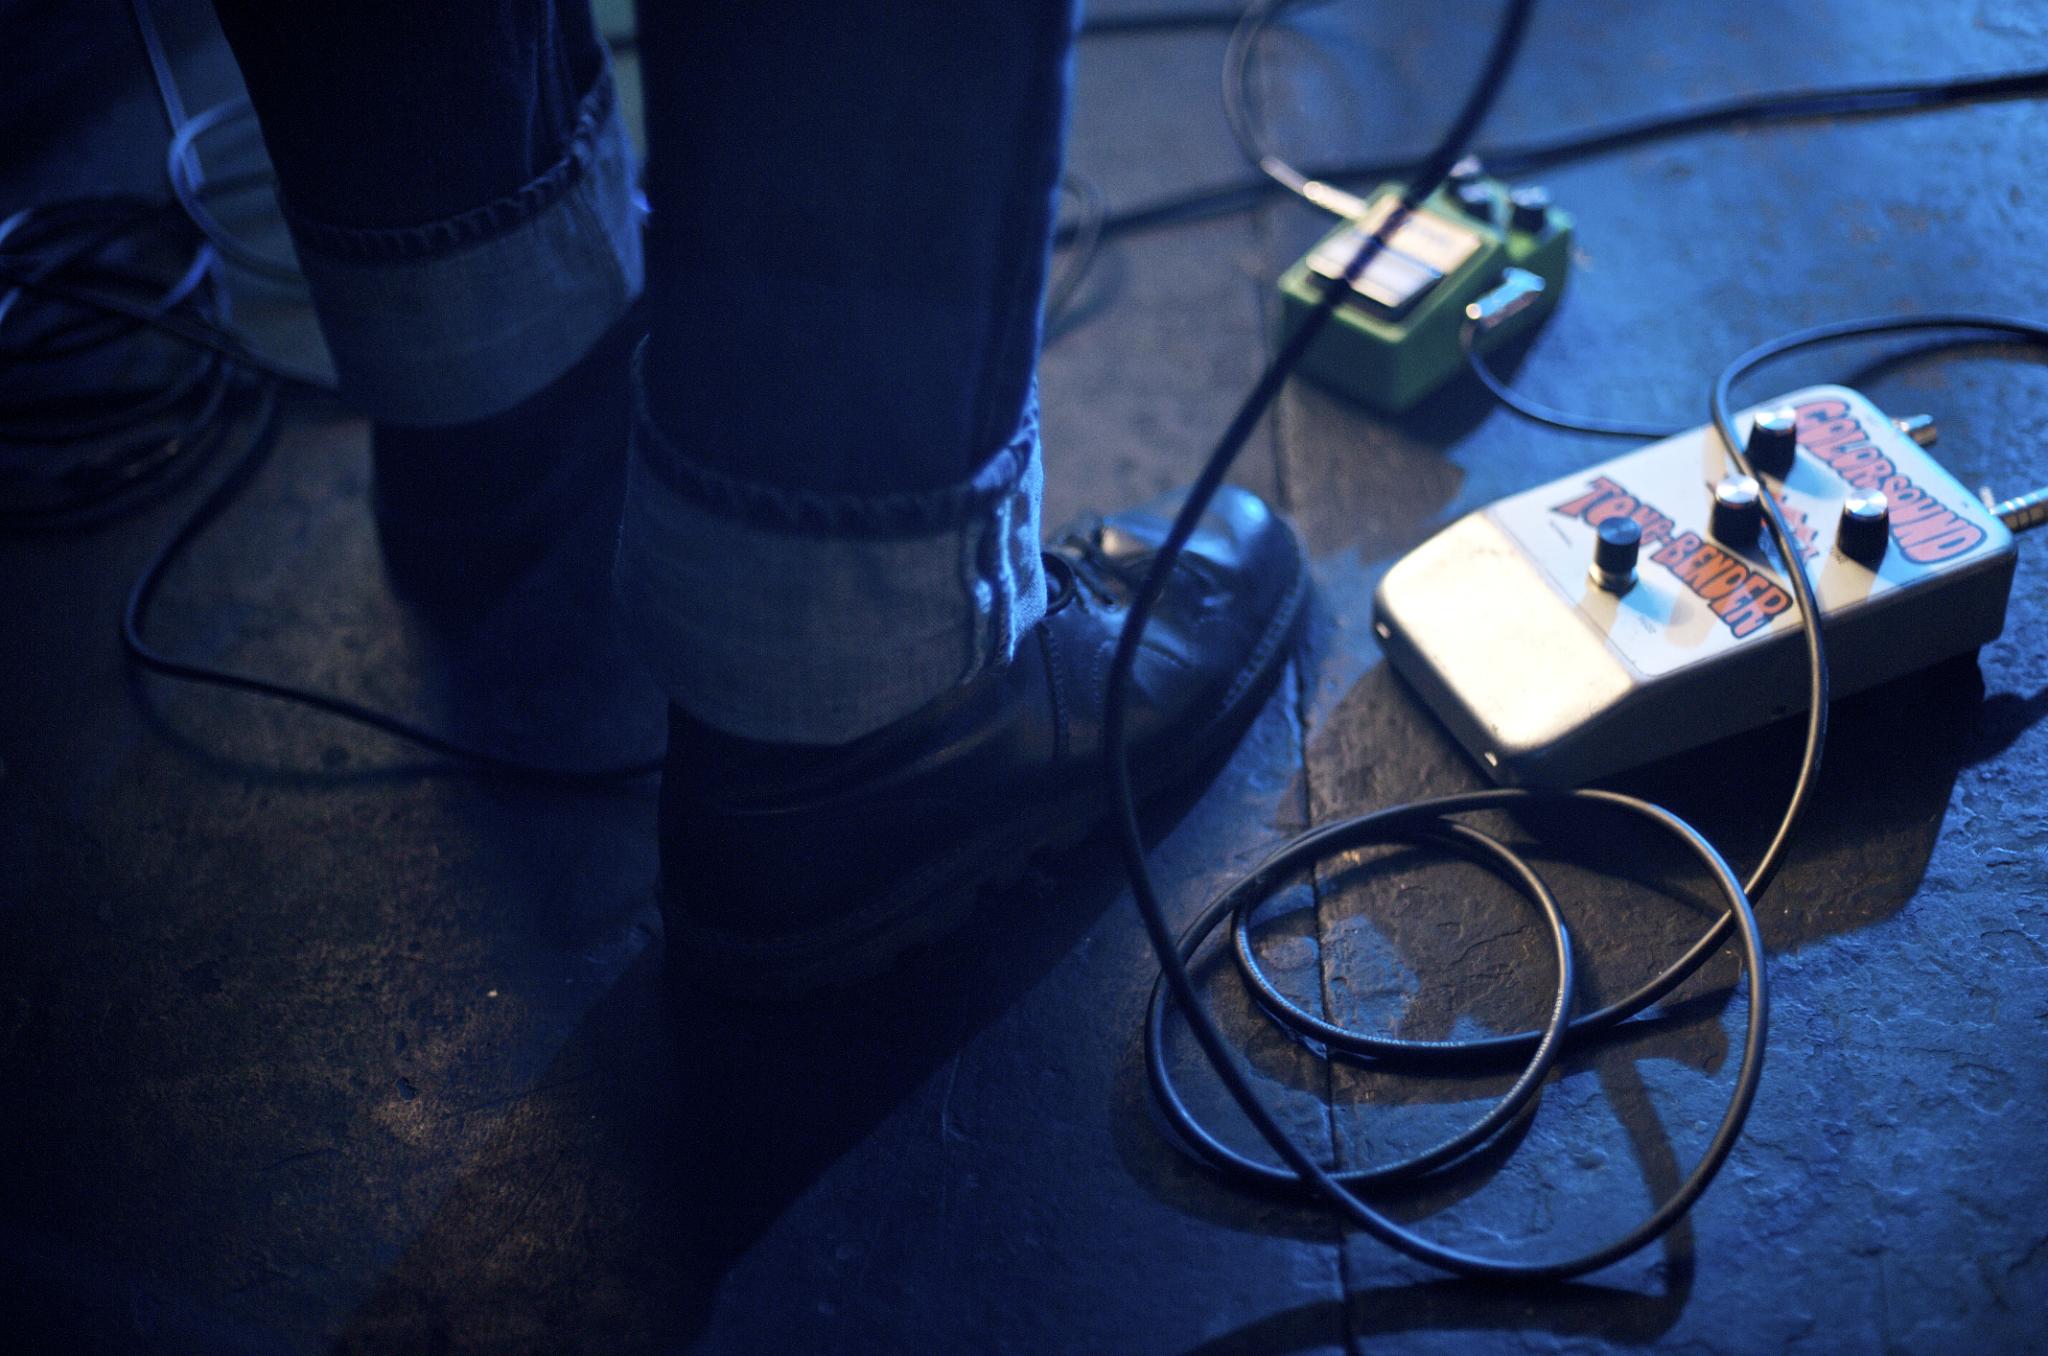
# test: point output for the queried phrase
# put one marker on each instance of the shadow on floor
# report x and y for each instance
(1894, 755)
(611, 1207)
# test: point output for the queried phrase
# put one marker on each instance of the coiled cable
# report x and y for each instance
(1430, 819)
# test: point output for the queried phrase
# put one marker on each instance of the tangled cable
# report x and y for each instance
(113, 273)
(1430, 822)
(76, 452)
(1433, 822)
(125, 264)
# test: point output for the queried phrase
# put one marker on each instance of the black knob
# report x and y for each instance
(1614, 554)
(1478, 202)
(1773, 442)
(1738, 510)
(1531, 209)
(1866, 526)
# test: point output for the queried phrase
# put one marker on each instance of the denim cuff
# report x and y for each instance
(459, 319)
(813, 618)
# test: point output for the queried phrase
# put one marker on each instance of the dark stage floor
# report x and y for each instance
(310, 1046)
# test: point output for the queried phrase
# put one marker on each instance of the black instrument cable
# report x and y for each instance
(262, 441)
(109, 267)
(1320, 189)
(1536, 412)
(1239, 117)
(117, 444)
(74, 253)
(1527, 157)
(1510, 159)
(222, 359)
(227, 366)
(59, 252)
(124, 475)
(1064, 289)
(1429, 821)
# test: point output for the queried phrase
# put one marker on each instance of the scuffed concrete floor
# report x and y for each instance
(310, 1046)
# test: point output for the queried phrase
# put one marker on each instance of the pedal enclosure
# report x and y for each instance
(1549, 680)
(1389, 351)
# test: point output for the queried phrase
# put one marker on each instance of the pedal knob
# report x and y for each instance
(1477, 200)
(1866, 529)
(1774, 442)
(1738, 510)
(1531, 209)
(1614, 554)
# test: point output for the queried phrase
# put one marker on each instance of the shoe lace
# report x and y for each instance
(1062, 586)
(1079, 567)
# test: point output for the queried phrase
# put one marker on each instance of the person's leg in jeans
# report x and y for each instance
(830, 548)
(851, 213)
(830, 552)
(460, 191)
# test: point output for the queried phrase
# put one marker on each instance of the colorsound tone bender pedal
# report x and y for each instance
(1636, 609)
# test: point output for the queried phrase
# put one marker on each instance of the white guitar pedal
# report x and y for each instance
(1636, 610)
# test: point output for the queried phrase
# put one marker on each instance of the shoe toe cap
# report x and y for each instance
(1241, 550)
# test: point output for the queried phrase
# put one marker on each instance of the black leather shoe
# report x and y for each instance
(464, 510)
(788, 869)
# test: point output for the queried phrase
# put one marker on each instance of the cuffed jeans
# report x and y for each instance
(833, 492)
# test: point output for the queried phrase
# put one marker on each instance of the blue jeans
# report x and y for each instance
(832, 508)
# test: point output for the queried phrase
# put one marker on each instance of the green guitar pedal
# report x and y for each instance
(1476, 243)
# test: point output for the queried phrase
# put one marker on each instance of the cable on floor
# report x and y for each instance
(1431, 820)
(112, 271)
